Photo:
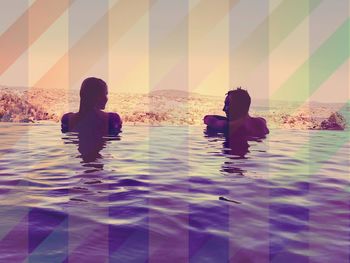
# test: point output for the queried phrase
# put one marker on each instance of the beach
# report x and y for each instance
(165, 107)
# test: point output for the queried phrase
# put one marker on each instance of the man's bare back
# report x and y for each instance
(249, 126)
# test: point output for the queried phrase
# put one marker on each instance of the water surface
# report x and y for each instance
(173, 194)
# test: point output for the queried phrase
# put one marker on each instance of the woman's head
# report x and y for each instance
(93, 94)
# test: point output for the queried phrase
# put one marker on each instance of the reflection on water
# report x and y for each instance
(172, 194)
(234, 147)
(89, 146)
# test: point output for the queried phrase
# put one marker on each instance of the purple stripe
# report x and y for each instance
(14, 246)
(41, 224)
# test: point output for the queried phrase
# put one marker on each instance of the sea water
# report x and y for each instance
(173, 194)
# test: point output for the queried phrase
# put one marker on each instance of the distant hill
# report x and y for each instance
(174, 93)
(14, 88)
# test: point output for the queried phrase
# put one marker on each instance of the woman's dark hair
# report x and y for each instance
(90, 90)
(239, 103)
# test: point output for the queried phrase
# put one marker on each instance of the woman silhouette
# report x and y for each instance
(91, 118)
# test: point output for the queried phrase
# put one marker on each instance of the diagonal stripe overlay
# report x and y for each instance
(277, 26)
(38, 218)
(57, 75)
(28, 28)
(318, 68)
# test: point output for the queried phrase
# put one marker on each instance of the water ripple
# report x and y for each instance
(176, 182)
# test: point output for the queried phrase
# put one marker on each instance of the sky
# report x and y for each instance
(276, 49)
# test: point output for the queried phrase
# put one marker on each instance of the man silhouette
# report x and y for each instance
(237, 120)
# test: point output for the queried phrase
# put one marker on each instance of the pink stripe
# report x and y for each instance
(28, 28)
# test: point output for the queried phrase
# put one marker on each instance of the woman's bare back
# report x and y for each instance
(95, 121)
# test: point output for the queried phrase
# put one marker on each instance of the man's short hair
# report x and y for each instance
(239, 103)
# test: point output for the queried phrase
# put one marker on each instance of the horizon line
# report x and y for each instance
(25, 88)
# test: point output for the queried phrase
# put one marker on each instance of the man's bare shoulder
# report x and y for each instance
(259, 125)
(260, 120)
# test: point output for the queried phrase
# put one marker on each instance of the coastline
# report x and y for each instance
(162, 108)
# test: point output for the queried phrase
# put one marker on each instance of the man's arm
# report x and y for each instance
(216, 122)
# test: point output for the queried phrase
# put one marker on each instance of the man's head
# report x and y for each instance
(237, 104)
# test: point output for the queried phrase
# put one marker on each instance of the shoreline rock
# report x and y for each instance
(15, 107)
(336, 121)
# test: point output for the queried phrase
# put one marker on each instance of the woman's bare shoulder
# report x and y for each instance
(68, 121)
(65, 121)
(114, 116)
(115, 122)
(67, 116)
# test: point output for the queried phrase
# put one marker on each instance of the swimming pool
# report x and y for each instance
(173, 194)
